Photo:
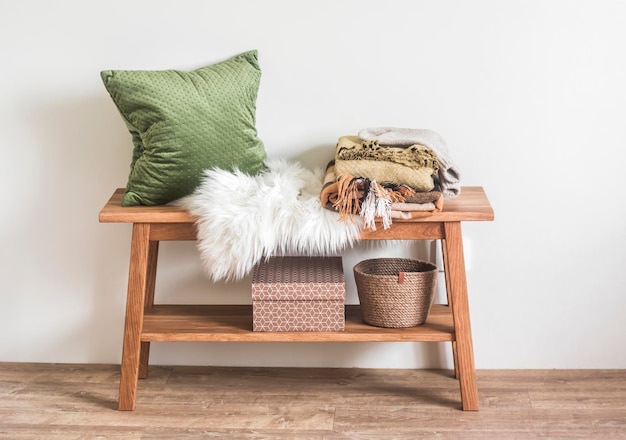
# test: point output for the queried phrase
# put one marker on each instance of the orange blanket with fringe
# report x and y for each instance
(346, 194)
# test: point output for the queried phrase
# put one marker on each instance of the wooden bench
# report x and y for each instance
(148, 322)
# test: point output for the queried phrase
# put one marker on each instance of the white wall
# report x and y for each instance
(530, 96)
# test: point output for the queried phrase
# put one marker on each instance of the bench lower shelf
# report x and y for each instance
(233, 323)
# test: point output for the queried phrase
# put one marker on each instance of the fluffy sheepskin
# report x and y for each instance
(241, 218)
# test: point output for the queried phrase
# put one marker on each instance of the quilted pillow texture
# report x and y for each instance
(182, 123)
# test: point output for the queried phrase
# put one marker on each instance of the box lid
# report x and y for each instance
(299, 278)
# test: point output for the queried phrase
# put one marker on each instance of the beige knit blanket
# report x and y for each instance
(448, 176)
(413, 156)
(413, 166)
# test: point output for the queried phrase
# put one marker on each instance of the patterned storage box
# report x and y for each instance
(298, 294)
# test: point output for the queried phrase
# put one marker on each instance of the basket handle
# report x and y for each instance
(400, 277)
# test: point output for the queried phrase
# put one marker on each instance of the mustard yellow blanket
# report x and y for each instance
(414, 166)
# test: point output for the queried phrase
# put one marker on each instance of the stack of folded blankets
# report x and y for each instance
(389, 173)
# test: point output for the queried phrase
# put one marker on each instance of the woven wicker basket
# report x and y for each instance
(395, 292)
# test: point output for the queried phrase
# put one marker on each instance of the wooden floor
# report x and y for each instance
(50, 401)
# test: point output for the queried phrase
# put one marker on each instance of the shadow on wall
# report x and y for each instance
(308, 354)
(84, 151)
(316, 157)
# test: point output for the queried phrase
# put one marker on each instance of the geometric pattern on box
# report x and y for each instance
(298, 294)
(299, 278)
(294, 316)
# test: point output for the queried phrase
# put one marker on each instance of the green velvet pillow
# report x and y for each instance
(182, 123)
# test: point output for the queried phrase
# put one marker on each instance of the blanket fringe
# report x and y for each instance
(377, 204)
(348, 202)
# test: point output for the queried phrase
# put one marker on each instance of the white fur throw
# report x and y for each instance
(241, 219)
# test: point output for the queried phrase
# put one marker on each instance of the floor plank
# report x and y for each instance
(56, 401)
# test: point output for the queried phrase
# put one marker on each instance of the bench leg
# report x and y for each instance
(455, 270)
(153, 255)
(138, 285)
(444, 255)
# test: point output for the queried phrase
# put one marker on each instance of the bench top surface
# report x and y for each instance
(471, 205)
